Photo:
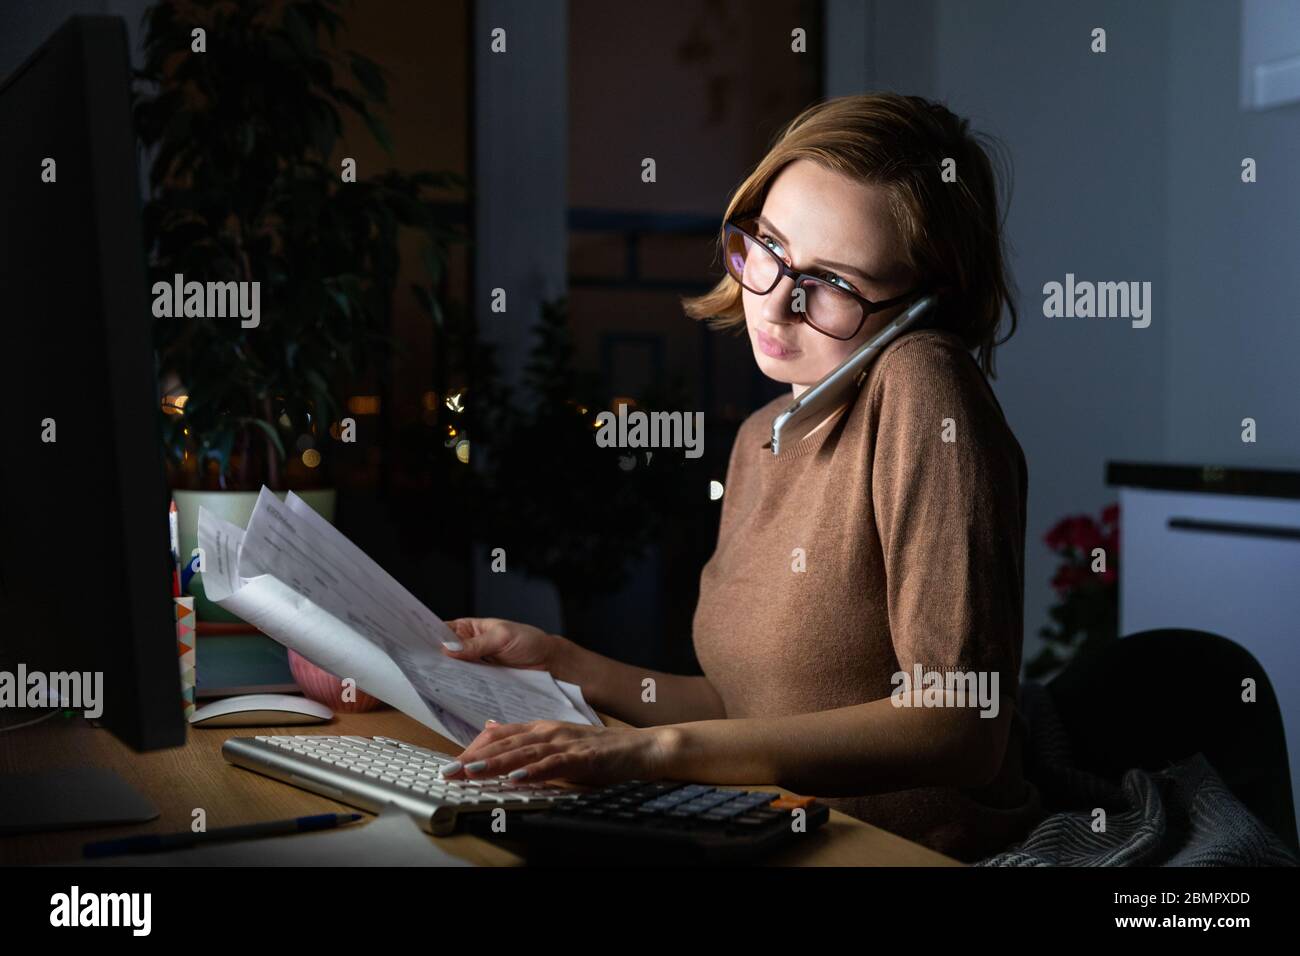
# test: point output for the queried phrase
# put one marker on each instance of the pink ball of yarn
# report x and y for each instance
(322, 686)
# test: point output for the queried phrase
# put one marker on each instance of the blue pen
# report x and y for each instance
(187, 573)
(155, 842)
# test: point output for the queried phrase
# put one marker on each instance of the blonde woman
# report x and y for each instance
(887, 542)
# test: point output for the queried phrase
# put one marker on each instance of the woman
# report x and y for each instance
(889, 539)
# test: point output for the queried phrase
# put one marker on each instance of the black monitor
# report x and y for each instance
(85, 566)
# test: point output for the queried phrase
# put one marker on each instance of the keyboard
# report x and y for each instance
(631, 823)
(369, 772)
(665, 823)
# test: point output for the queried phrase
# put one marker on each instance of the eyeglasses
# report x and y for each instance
(830, 309)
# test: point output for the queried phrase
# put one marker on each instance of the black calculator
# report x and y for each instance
(655, 824)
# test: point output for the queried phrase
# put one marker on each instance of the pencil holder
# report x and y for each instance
(185, 638)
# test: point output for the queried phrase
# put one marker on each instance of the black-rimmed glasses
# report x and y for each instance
(830, 309)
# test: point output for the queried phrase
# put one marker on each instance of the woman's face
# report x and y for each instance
(813, 217)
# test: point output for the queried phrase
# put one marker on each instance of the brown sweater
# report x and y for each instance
(914, 555)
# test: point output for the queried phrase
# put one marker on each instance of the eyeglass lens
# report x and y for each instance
(755, 266)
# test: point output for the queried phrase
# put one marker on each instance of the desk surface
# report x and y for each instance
(196, 775)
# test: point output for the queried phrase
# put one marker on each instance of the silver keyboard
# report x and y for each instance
(369, 772)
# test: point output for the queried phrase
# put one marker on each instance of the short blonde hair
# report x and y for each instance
(952, 231)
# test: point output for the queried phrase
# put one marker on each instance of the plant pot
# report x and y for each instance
(235, 507)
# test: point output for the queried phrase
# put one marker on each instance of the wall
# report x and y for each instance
(1234, 271)
(520, 168)
(26, 24)
(1090, 150)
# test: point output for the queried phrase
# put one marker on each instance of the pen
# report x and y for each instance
(187, 575)
(173, 524)
(154, 842)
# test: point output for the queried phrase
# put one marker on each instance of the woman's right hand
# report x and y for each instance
(492, 640)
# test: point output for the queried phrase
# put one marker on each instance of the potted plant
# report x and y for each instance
(1086, 615)
(246, 186)
(564, 508)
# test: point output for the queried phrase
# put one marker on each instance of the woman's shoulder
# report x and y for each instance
(927, 365)
(936, 348)
(929, 377)
(923, 369)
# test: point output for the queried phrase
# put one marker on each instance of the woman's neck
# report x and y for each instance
(799, 390)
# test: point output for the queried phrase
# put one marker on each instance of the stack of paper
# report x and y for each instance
(294, 576)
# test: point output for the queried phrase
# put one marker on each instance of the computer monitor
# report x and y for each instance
(85, 565)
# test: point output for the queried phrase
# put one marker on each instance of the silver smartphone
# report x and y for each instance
(811, 408)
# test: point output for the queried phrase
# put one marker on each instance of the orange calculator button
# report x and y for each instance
(792, 803)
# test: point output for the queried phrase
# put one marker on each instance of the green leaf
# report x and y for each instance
(380, 132)
(299, 32)
(267, 429)
(341, 300)
(433, 262)
(370, 77)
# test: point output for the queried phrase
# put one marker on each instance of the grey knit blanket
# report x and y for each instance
(1181, 816)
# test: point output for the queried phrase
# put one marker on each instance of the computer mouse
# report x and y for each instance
(260, 710)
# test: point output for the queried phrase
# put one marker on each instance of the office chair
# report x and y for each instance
(1156, 697)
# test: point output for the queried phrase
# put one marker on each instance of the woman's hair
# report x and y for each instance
(952, 231)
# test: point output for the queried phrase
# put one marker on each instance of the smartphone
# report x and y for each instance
(811, 408)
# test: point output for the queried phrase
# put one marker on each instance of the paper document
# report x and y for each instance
(294, 576)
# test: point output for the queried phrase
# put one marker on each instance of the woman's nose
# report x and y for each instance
(778, 306)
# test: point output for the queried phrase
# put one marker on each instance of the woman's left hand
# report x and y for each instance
(552, 749)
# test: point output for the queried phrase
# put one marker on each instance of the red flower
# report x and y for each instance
(1059, 536)
(1078, 531)
(1068, 578)
(1085, 535)
(1082, 534)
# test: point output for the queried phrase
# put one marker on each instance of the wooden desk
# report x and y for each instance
(196, 775)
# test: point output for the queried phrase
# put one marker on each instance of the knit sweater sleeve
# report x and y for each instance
(947, 480)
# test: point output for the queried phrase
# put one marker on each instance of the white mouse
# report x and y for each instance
(260, 710)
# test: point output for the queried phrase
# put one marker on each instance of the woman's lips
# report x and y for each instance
(772, 348)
